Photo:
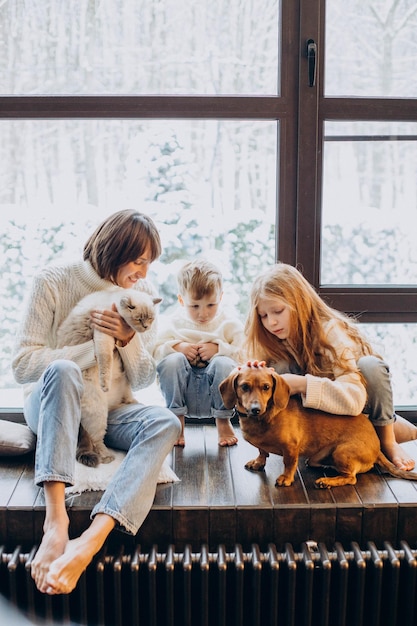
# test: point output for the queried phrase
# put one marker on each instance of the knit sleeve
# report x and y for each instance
(36, 340)
(344, 396)
(231, 339)
(168, 335)
(346, 393)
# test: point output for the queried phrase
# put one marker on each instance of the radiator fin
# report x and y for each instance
(310, 587)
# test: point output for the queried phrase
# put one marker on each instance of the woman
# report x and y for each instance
(323, 356)
(119, 252)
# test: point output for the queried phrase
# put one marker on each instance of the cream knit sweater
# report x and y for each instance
(346, 394)
(54, 293)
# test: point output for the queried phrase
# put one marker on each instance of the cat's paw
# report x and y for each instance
(107, 459)
(90, 459)
(104, 454)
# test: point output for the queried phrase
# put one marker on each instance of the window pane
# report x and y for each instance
(139, 47)
(210, 186)
(397, 344)
(369, 203)
(371, 48)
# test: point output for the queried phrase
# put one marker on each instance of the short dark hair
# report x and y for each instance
(121, 238)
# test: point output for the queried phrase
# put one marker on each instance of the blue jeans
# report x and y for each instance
(147, 433)
(194, 391)
(379, 405)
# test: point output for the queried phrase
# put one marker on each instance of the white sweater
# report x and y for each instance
(224, 330)
(55, 291)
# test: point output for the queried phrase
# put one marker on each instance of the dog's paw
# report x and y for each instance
(322, 483)
(283, 481)
(255, 466)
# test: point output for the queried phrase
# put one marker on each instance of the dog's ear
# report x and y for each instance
(227, 389)
(281, 393)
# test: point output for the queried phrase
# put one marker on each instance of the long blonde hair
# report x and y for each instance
(307, 344)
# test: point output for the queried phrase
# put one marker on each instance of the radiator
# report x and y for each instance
(312, 586)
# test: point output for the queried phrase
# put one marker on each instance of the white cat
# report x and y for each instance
(105, 384)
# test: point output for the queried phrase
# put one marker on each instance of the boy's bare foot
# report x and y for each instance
(53, 544)
(226, 433)
(181, 439)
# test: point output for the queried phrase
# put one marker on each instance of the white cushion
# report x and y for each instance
(15, 439)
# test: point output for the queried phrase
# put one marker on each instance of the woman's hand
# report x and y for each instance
(111, 323)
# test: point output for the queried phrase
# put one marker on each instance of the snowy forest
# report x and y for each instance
(210, 185)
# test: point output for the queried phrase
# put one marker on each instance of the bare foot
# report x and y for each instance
(392, 449)
(398, 456)
(52, 546)
(404, 430)
(226, 433)
(181, 439)
(66, 570)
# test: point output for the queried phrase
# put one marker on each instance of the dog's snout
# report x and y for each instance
(255, 409)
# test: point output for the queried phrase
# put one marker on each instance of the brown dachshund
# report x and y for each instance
(275, 422)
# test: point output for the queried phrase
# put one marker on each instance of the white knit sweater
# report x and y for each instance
(55, 291)
(224, 330)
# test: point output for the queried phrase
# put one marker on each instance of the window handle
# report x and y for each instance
(311, 52)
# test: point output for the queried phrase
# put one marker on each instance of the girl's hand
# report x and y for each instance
(296, 383)
(258, 364)
(111, 323)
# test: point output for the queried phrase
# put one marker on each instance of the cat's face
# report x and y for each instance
(138, 311)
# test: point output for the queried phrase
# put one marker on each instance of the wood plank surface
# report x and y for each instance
(218, 501)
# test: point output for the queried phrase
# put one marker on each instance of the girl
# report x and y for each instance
(119, 253)
(323, 356)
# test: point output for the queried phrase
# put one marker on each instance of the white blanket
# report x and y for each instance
(97, 478)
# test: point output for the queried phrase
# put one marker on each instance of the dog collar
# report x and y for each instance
(238, 413)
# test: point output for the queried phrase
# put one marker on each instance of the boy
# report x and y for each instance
(197, 349)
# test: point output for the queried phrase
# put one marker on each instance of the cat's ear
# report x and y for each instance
(126, 302)
(157, 300)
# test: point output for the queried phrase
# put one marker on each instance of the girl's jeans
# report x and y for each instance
(194, 391)
(379, 406)
(147, 433)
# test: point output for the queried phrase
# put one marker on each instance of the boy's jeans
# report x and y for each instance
(194, 391)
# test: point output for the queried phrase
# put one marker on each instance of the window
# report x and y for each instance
(203, 115)
(357, 190)
(88, 127)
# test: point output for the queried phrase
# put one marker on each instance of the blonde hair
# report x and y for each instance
(307, 344)
(121, 238)
(199, 278)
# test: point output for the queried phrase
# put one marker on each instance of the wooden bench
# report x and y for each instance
(218, 502)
